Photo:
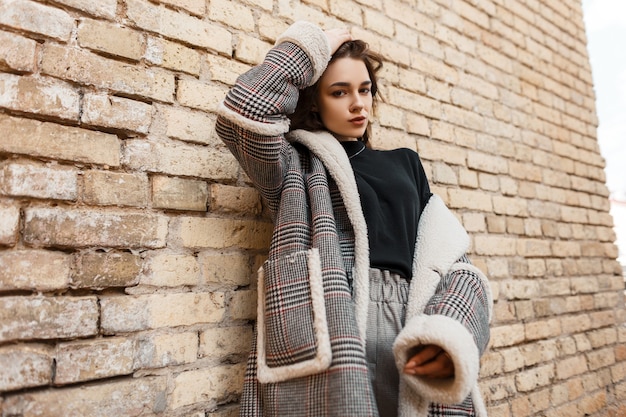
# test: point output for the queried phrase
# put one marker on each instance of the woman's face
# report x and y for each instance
(344, 98)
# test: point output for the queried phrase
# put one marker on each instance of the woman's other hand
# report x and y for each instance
(430, 361)
(336, 37)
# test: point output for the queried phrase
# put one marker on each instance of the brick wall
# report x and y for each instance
(129, 236)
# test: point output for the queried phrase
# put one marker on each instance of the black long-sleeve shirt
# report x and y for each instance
(394, 190)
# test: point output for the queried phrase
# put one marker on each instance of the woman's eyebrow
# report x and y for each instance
(347, 84)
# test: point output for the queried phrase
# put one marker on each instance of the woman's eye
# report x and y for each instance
(364, 90)
(338, 93)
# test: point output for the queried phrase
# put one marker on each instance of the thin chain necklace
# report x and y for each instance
(357, 152)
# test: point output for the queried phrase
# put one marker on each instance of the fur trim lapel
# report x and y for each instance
(441, 241)
(333, 156)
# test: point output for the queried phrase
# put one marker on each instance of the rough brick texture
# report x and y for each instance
(129, 236)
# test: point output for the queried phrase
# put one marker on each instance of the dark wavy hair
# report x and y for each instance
(305, 118)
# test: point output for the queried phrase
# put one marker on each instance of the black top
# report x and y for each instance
(394, 190)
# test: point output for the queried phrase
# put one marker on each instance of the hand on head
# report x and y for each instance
(336, 37)
(430, 361)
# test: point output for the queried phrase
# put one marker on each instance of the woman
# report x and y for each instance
(367, 303)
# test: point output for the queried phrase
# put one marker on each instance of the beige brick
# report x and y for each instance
(39, 95)
(416, 103)
(111, 39)
(133, 313)
(444, 174)
(271, 27)
(190, 126)
(33, 17)
(251, 50)
(118, 398)
(436, 151)
(494, 245)
(207, 385)
(228, 411)
(102, 8)
(534, 378)
(348, 11)
(179, 26)
(17, 53)
(80, 228)
(378, 22)
(38, 270)
(116, 112)
(157, 350)
(93, 359)
(9, 223)
(225, 268)
(216, 233)
(571, 366)
(200, 95)
(50, 140)
(565, 249)
(229, 199)
(179, 193)
(225, 70)
(106, 269)
(50, 181)
(180, 159)
(25, 366)
(223, 342)
(509, 335)
(91, 69)
(232, 14)
(115, 188)
(520, 289)
(194, 6)
(417, 124)
(475, 200)
(242, 305)
(390, 116)
(172, 55)
(170, 270)
(47, 317)
(533, 247)
(543, 329)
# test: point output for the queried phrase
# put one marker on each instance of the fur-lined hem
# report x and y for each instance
(313, 41)
(456, 341)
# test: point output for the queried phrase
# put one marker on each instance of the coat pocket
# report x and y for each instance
(293, 339)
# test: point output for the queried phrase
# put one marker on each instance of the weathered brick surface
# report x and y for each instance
(105, 270)
(36, 270)
(82, 228)
(24, 318)
(132, 313)
(130, 237)
(93, 359)
(119, 398)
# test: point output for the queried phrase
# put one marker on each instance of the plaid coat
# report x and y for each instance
(308, 358)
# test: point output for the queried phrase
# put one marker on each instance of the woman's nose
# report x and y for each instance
(357, 104)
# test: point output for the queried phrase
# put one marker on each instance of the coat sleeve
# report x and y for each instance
(252, 119)
(456, 318)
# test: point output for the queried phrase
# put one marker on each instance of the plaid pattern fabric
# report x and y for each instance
(309, 212)
(461, 296)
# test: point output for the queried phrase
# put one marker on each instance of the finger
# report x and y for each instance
(424, 354)
(441, 367)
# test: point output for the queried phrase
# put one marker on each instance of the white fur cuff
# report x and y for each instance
(454, 339)
(313, 41)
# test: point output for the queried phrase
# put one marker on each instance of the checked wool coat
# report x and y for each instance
(308, 357)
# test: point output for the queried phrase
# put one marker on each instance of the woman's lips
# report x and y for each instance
(358, 120)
